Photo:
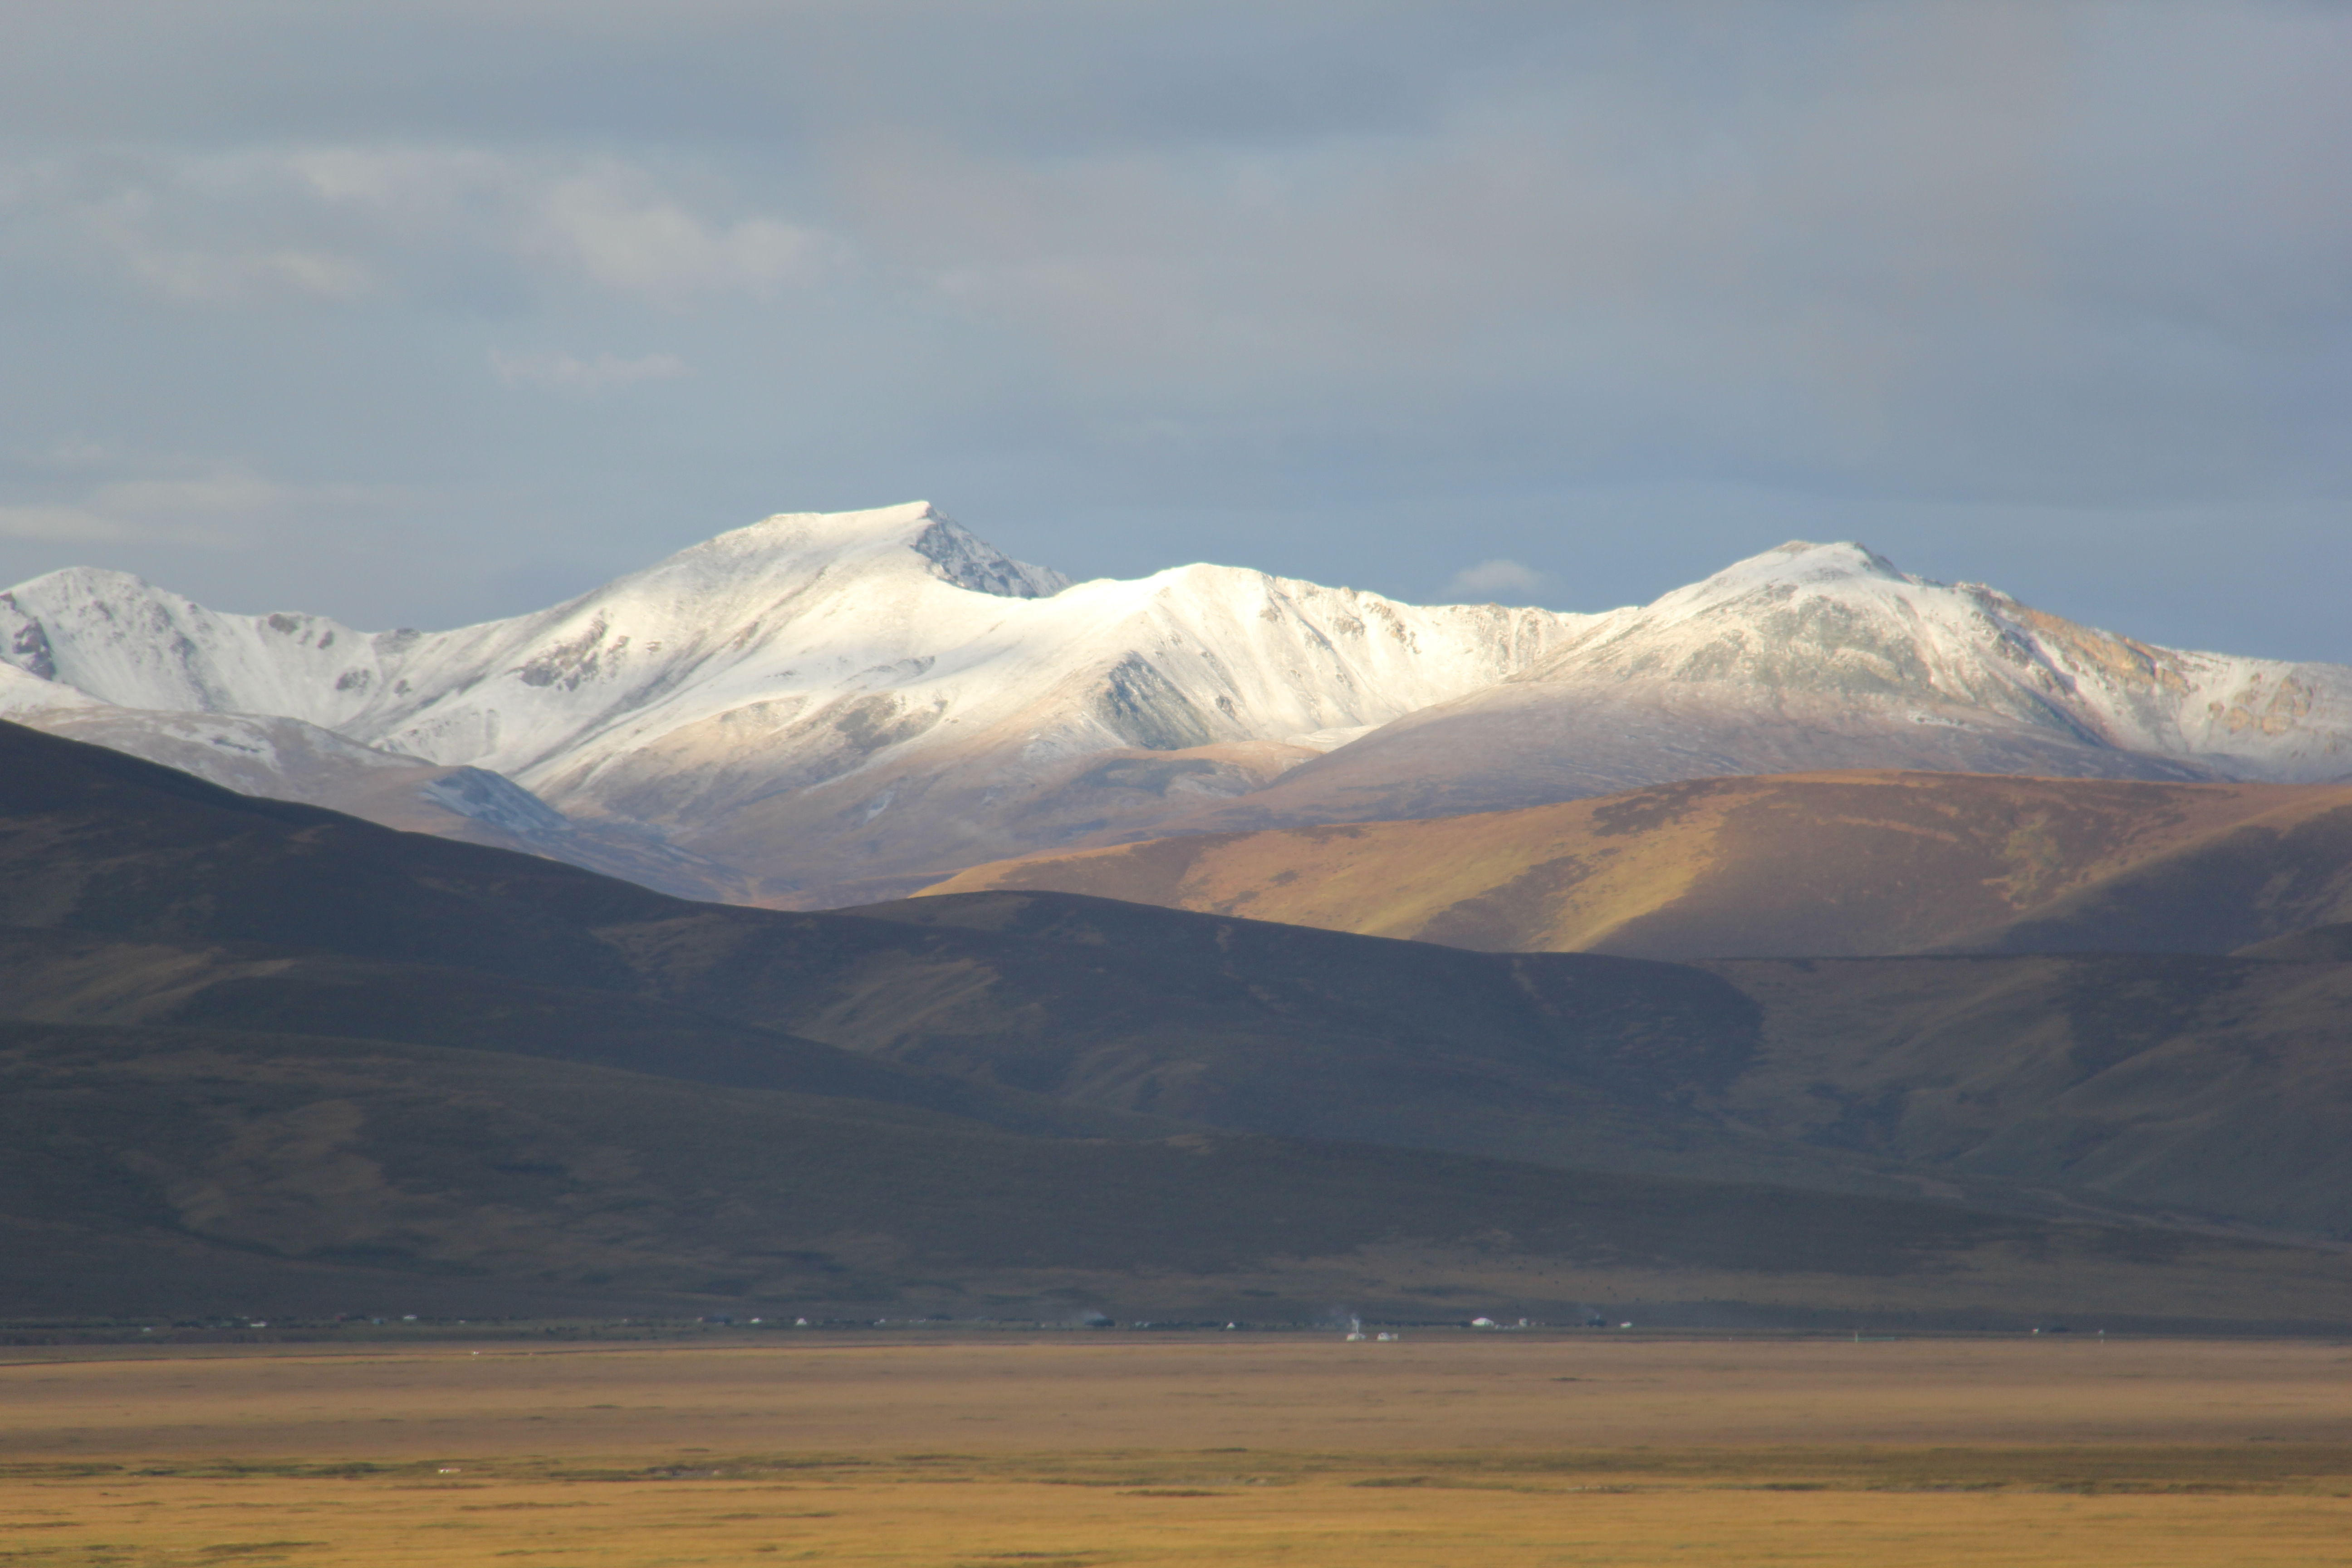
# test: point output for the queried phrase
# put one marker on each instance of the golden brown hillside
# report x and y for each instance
(1815, 865)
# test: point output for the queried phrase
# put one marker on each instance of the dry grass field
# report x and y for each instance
(1118, 1448)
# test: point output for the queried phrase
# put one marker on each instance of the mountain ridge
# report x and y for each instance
(827, 707)
(1808, 657)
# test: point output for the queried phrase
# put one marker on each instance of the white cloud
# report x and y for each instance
(563, 372)
(229, 276)
(1493, 582)
(347, 222)
(614, 227)
(229, 509)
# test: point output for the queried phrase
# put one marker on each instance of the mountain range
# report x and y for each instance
(257, 1054)
(827, 709)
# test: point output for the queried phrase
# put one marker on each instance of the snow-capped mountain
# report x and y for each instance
(1837, 620)
(822, 708)
(822, 699)
(1811, 656)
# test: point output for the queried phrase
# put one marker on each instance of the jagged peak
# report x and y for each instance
(964, 558)
(954, 553)
(84, 579)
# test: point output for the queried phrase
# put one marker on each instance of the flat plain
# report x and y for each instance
(1120, 1446)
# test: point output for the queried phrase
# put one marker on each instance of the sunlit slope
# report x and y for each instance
(837, 705)
(1811, 658)
(1818, 865)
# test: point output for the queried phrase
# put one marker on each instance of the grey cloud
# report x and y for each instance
(605, 371)
(357, 222)
(1038, 76)
(229, 509)
(1354, 291)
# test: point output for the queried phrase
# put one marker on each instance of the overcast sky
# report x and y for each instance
(416, 313)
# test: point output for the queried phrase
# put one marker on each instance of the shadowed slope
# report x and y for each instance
(2215, 1086)
(158, 1172)
(1807, 864)
(171, 1139)
(246, 1028)
(1276, 1029)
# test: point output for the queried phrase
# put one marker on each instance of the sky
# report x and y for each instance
(421, 313)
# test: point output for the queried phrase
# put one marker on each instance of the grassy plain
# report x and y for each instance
(1122, 1448)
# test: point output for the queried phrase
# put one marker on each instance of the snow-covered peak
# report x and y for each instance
(827, 698)
(124, 641)
(795, 547)
(846, 637)
(1842, 623)
(1844, 570)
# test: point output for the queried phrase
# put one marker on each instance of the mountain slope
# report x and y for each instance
(2207, 1085)
(839, 708)
(256, 951)
(1815, 657)
(820, 698)
(161, 1152)
(285, 759)
(148, 1171)
(221, 911)
(1819, 865)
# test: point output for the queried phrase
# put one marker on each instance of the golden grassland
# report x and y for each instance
(1818, 864)
(1118, 1448)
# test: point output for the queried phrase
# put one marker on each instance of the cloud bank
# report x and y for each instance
(2055, 295)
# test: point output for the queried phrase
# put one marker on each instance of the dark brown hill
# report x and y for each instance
(1812, 865)
(190, 1172)
(2212, 1086)
(277, 1050)
(448, 1120)
(1274, 1029)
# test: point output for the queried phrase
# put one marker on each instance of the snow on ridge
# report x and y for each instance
(1841, 620)
(869, 651)
(895, 628)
